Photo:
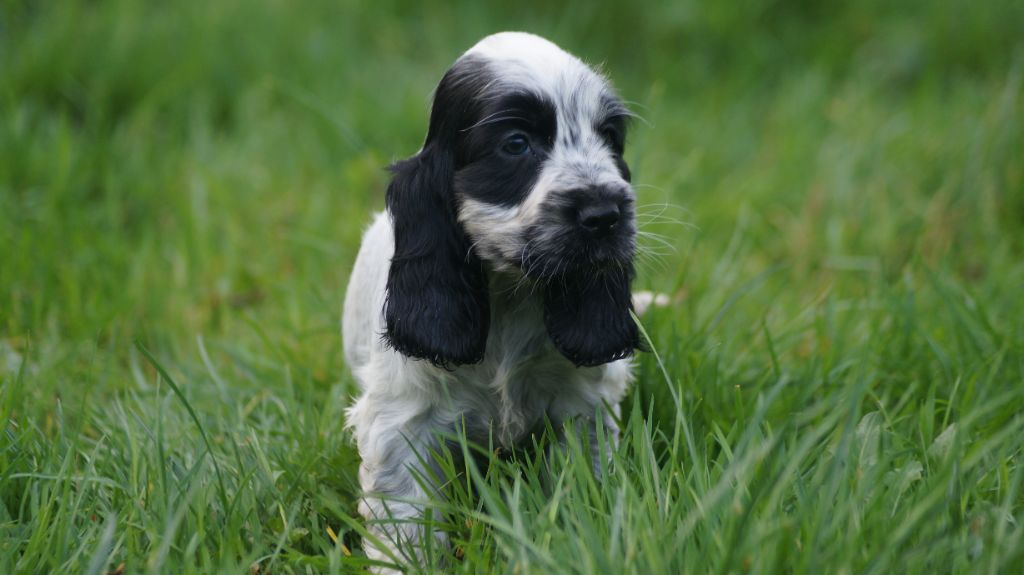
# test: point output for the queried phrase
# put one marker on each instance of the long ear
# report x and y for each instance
(437, 300)
(589, 316)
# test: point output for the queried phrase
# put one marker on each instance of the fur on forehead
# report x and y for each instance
(526, 61)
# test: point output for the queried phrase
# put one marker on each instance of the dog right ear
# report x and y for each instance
(437, 304)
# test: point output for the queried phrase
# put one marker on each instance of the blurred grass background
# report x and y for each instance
(840, 187)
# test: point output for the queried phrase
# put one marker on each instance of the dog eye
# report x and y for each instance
(516, 145)
(612, 136)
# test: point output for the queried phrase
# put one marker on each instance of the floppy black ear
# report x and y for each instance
(437, 300)
(588, 316)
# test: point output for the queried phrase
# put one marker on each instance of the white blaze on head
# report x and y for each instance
(530, 60)
(523, 60)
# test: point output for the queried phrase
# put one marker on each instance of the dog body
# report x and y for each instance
(493, 294)
(521, 380)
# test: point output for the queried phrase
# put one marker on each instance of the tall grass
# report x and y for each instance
(834, 197)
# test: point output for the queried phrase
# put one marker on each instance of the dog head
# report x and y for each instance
(522, 171)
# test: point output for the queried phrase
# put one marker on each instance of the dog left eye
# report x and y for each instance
(516, 145)
(612, 136)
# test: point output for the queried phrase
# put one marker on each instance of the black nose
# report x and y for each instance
(599, 218)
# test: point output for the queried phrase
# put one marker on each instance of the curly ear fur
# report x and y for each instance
(588, 316)
(437, 301)
(437, 304)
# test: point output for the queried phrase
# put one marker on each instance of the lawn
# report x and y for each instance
(835, 201)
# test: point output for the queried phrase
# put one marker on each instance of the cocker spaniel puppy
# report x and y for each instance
(493, 295)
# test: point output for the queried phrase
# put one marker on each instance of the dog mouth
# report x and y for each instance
(552, 257)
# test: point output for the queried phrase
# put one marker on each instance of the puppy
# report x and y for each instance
(493, 295)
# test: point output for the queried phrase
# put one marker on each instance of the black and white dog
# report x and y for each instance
(494, 293)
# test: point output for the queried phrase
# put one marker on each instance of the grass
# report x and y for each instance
(840, 195)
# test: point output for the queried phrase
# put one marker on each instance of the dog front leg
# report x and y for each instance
(599, 440)
(397, 478)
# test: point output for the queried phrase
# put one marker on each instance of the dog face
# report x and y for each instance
(521, 172)
(541, 182)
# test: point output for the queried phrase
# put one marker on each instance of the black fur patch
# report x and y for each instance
(613, 130)
(437, 304)
(487, 174)
(588, 316)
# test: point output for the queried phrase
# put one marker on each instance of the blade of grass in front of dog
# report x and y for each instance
(195, 418)
(684, 421)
